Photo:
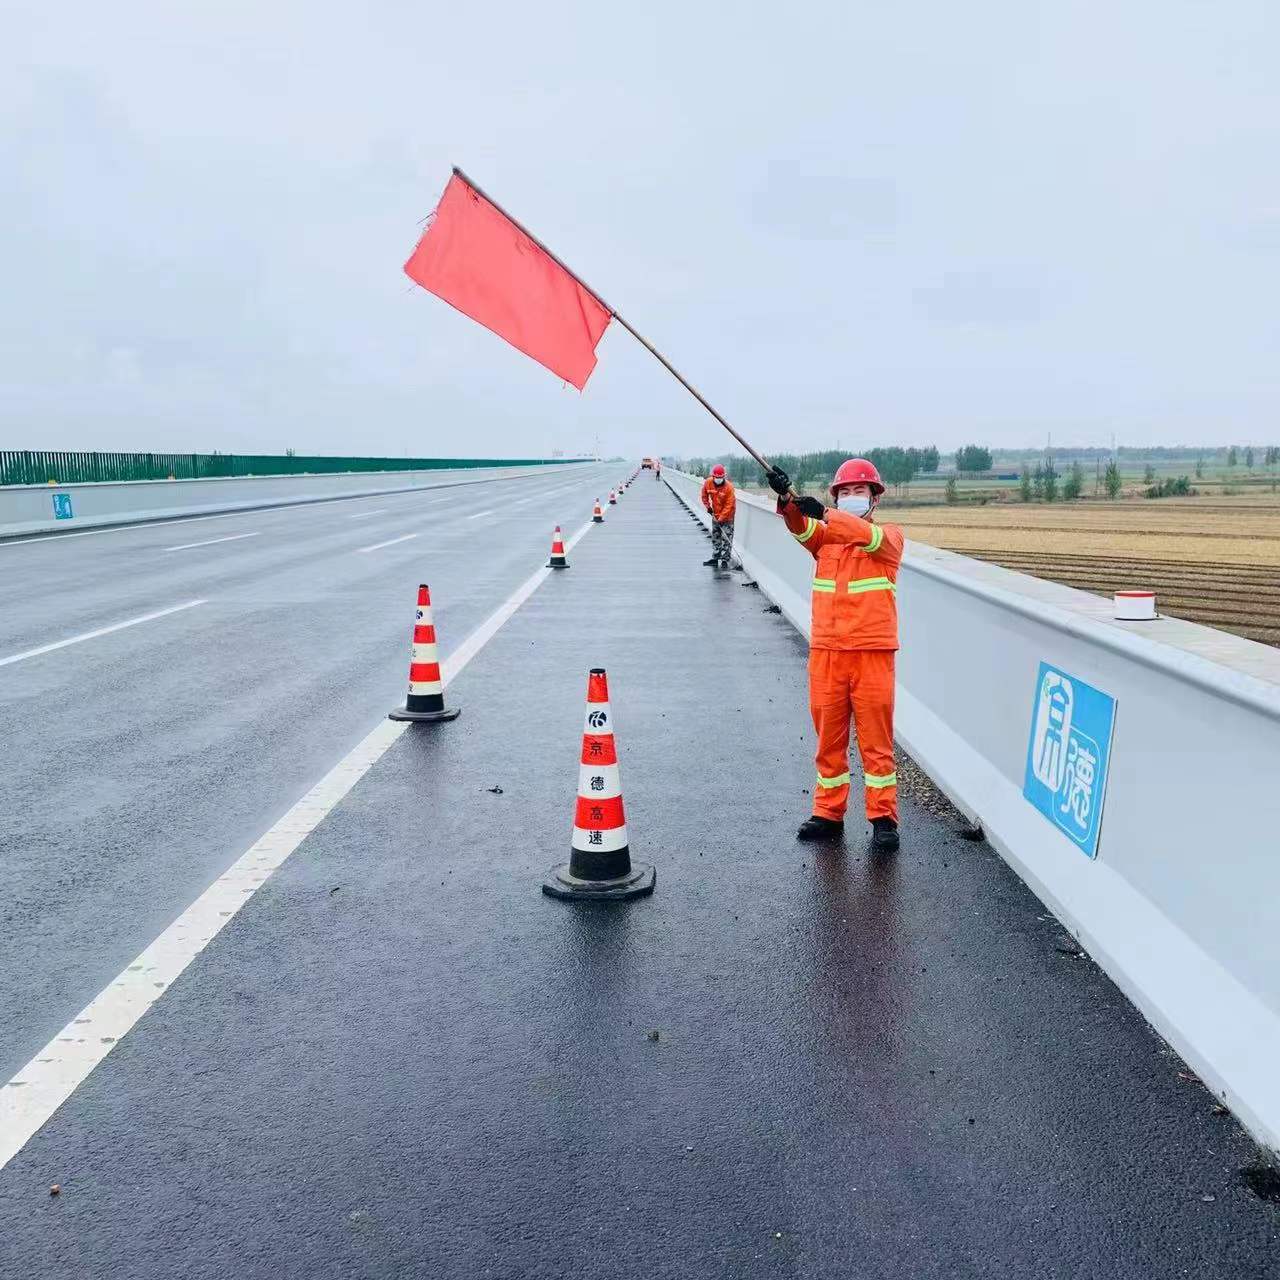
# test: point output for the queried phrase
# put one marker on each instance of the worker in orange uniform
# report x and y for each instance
(720, 500)
(852, 642)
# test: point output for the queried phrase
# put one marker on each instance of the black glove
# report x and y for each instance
(810, 507)
(778, 480)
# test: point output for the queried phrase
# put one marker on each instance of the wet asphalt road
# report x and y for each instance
(138, 765)
(400, 1059)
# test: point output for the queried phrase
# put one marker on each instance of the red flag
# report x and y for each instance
(475, 258)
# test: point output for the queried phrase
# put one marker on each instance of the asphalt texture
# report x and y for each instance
(402, 1059)
(138, 765)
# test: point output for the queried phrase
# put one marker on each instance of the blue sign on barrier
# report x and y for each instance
(1068, 754)
(62, 506)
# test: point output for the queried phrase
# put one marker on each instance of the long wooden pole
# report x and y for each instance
(614, 313)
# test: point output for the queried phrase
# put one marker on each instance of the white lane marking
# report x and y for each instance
(208, 542)
(360, 515)
(478, 514)
(33, 1095)
(101, 631)
(377, 546)
(491, 625)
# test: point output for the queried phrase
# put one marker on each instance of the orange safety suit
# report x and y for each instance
(852, 642)
(719, 499)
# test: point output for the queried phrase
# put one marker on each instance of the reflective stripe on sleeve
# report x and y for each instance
(840, 780)
(810, 526)
(859, 585)
(878, 780)
(824, 584)
(877, 537)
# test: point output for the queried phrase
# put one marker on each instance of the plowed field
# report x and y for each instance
(1212, 562)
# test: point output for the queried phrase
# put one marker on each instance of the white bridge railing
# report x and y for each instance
(26, 509)
(1129, 772)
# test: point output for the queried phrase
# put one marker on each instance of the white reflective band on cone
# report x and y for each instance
(610, 787)
(419, 688)
(598, 726)
(424, 653)
(608, 842)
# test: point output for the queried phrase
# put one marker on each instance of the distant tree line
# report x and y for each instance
(1270, 456)
(973, 457)
(1170, 488)
(897, 466)
(1124, 452)
(1042, 484)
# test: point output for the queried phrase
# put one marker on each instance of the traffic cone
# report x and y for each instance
(599, 863)
(557, 560)
(597, 513)
(425, 700)
(613, 498)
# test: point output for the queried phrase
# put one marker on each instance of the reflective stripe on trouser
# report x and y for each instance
(721, 538)
(853, 687)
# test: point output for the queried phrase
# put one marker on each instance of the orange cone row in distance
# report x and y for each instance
(599, 863)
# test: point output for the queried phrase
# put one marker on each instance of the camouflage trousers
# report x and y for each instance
(721, 539)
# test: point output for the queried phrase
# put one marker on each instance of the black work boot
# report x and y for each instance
(884, 835)
(713, 562)
(816, 828)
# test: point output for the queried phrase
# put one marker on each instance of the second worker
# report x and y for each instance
(719, 499)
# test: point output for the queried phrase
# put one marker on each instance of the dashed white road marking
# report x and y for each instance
(360, 515)
(478, 514)
(101, 631)
(32, 1096)
(391, 542)
(208, 542)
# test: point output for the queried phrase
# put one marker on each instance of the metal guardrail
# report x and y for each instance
(38, 466)
(44, 508)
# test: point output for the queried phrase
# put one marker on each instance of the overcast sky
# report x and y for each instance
(849, 223)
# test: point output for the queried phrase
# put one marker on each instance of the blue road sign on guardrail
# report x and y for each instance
(1068, 754)
(62, 506)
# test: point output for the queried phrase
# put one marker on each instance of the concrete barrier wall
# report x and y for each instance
(1181, 904)
(26, 509)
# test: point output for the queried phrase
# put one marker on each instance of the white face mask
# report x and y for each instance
(719, 479)
(856, 504)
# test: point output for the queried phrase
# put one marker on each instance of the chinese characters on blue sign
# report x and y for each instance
(62, 506)
(1068, 754)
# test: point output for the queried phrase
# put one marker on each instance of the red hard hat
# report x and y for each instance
(857, 471)
(717, 470)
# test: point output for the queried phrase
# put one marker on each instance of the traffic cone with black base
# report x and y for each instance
(599, 863)
(597, 513)
(425, 700)
(557, 560)
(613, 498)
